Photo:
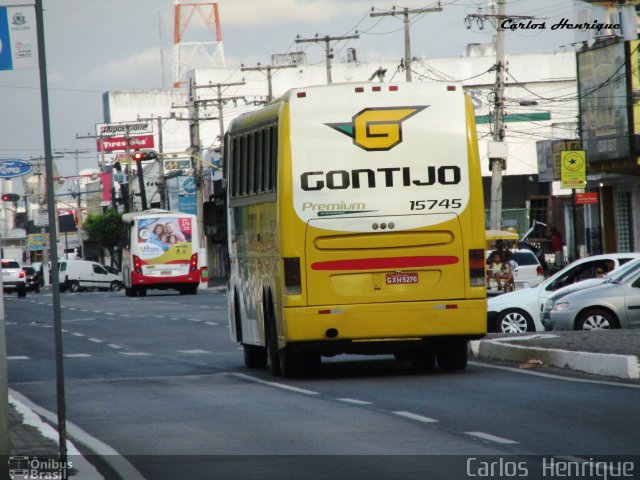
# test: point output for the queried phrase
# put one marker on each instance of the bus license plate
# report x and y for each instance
(401, 278)
(165, 272)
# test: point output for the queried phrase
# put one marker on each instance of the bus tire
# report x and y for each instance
(142, 291)
(255, 356)
(452, 354)
(424, 359)
(291, 363)
(271, 335)
(193, 289)
(127, 292)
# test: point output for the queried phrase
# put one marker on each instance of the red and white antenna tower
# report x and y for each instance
(191, 50)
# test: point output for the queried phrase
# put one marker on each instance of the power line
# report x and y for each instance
(328, 50)
(405, 12)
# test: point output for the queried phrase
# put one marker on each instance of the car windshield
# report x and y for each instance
(621, 274)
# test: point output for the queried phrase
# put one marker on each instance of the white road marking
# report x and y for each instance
(95, 340)
(76, 334)
(554, 376)
(354, 401)
(492, 438)
(77, 355)
(136, 354)
(275, 384)
(113, 345)
(194, 352)
(18, 357)
(414, 416)
(211, 323)
(194, 319)
(114, 459)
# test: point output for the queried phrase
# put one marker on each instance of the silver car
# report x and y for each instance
(614, 304)
(618, 275)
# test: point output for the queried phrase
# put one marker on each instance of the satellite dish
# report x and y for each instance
(35, 183)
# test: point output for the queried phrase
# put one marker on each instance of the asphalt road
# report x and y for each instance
(158, 380)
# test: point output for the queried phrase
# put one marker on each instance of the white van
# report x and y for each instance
(76, 275)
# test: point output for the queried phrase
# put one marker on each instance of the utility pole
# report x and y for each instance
(57, 315)
(327, 47)
(497, 149)
(268, 68)
(80, 225)
(194, 107)
(405, 12)
(161, 180)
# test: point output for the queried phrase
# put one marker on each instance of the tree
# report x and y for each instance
(104, 230)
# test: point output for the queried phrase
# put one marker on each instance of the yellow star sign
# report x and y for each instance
(573, 169)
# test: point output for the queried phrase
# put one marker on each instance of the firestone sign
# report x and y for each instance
(114, 144)
(12, 168)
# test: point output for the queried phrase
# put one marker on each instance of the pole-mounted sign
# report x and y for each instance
(18, 38)
(573, 169)
(12, 167)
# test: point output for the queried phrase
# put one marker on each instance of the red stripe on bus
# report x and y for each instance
(386, 263)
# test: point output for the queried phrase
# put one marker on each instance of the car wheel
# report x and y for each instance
(514, 320)
(22, 292)
(74, 286)
(597, 319)
(115, 286)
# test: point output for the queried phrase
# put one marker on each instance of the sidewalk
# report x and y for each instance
(609, 353)
(30, 437)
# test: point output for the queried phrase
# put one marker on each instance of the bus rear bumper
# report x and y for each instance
(379, 323)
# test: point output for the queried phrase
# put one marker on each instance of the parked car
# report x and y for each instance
(520, 311)
(613, 304)
(33, 279)
(14, 279)
(76, 275)
(617, 275)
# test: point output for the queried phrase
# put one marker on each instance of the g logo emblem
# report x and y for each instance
(377, 128)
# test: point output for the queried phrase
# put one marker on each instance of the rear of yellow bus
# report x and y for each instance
(381, 222)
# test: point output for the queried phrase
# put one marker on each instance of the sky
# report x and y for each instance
(93, 46)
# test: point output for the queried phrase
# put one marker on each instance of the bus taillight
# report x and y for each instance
(476, 267)
(193, 263)
(292, 277)
(137, 265)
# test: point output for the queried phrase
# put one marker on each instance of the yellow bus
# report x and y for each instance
(355, 224)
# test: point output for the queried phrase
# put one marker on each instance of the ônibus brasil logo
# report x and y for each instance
(378, 128)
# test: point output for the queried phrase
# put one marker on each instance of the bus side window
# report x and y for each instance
(251, 180)
(259, 161)
(243, 173)
(273, 154)
(268, 185)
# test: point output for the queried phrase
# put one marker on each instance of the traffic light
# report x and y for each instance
(10, 197)
(142, 155)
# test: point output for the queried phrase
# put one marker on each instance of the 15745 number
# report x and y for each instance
(431, 204)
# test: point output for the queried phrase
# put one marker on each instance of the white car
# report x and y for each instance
(521, 311)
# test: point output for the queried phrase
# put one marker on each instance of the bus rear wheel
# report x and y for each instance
(424, 359)
(255, 356)
(452, 354)
(271, 335)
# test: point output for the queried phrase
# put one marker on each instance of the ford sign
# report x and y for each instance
(12, 167)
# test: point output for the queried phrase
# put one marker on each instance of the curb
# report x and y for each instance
(610, 365)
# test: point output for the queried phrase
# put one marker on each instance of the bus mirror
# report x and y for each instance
(215, 224)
